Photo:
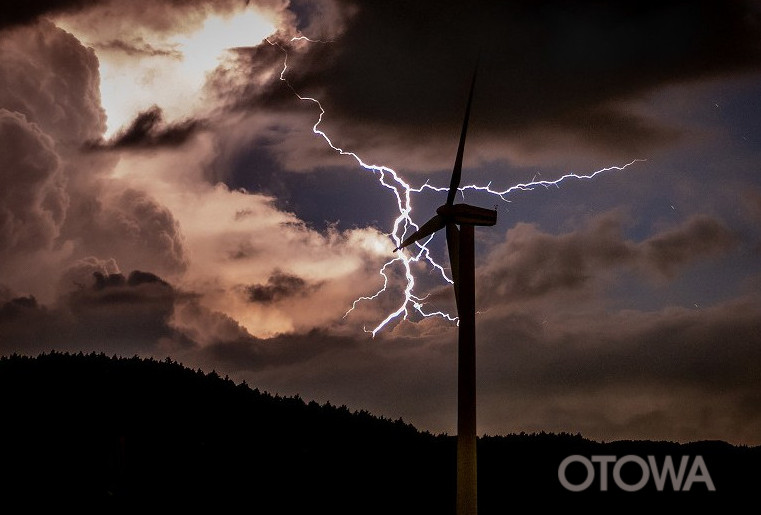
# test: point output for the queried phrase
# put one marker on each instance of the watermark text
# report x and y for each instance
(664, 476)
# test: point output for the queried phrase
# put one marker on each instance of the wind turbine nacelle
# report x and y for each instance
(468, 215)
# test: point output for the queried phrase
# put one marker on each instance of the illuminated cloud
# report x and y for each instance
(52, 79)
(33, 196)
(158, 53)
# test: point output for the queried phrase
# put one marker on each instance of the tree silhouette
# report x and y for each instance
(119, 434)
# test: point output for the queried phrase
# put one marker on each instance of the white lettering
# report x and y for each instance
(617, 473)
(698, 473)
(668, 470)
(584, 484)
(704, 476)
(603, 461)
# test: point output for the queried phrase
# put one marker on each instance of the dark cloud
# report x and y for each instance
(115, 289)
(691, 372)
(699, 236)
(532, 264)
(13, 307)
(17, 13)
(149, 130)
(674, 347)
(247, 80)
(112, 313)
(545, 67)
(279, 286)
(245, 250)
(79, 275)
(252, 354)
(322, 20)
(157, 14)
(136, 278)
(138, 47)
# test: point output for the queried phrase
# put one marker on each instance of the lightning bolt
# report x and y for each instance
(403, 223)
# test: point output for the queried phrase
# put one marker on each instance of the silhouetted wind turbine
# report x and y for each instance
(460, 244)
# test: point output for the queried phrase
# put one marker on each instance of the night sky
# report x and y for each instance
(163, 193)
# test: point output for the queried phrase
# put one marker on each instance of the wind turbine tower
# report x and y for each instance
(461, 249)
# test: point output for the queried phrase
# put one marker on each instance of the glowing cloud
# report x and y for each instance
(168, 70)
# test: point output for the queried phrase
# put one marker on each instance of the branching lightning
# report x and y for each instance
(403, 224)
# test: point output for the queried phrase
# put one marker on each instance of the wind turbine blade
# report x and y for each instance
(453, 247)
(428, 228)
(457, 171)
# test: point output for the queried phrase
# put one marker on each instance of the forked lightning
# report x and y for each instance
(403, 224)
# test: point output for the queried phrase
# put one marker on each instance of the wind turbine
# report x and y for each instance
(460, 245)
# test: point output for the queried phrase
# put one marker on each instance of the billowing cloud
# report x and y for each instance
(700, 236)
(55, 199)
(80, 274)
(146, 45)
(33, 199)
(33, 204)
(50, 77)
(532, 264)
(130, 226)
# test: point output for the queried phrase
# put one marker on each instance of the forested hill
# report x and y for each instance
(123, 434)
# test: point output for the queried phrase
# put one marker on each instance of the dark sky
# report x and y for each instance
(214, 181)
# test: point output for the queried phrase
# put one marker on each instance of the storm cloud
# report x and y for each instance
(149, 130)
(544, 67)
(279, 286)
(532, 264)
(689, 370)
(19, 13)
(50, 77)
(33, 199)
(112, 312)
(161, 15)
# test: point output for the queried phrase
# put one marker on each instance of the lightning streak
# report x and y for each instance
(528, 186)
(403, 223)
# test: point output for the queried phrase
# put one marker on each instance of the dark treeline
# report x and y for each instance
(123, 434)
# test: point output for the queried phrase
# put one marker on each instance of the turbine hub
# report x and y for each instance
(467, 214)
